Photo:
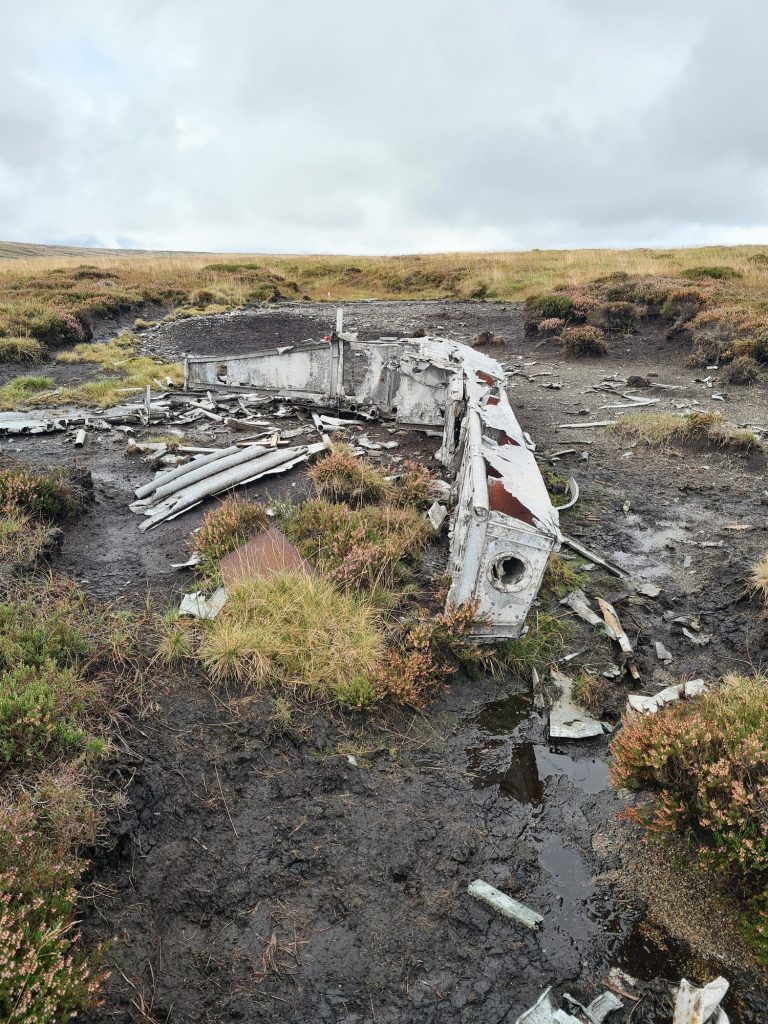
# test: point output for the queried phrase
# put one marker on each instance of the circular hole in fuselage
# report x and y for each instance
(508, 571)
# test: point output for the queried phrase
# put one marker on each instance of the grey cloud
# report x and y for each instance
(383, 126)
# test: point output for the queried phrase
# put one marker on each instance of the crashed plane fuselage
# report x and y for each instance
(503, 526)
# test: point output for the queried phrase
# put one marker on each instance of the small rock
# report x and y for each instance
(662, 653)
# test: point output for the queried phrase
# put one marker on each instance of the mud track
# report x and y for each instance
(321, 876)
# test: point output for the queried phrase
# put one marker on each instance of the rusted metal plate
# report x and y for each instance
(265, 555)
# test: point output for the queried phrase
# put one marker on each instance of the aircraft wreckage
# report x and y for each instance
(504, 526)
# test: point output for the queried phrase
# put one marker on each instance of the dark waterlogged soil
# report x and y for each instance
(320, 875)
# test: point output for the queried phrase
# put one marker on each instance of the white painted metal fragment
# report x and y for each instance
(199, 606)
(700, 1005)
(567, 720)
(504, 904)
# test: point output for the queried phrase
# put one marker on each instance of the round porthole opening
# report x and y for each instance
(507, 572)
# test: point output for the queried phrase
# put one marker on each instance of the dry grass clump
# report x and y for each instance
(342, 476)
(584, 341)
(743, 370)
(22, 537)
(707, 759)
(21, 350)
(592, 692)
(359, 549)
(296, 630)
(656, 428)
(760, 578)
(118, 357)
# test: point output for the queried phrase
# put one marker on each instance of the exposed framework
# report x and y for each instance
(504, 526)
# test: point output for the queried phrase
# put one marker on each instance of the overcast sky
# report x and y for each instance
(383, 125)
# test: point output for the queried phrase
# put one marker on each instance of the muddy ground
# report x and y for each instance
(320, 875)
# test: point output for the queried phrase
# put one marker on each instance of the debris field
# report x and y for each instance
(462, 863)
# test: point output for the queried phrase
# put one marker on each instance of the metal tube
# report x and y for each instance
(230, 477)
(210, 469)
(173, 474)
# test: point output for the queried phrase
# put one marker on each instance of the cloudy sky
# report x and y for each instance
(383, 125)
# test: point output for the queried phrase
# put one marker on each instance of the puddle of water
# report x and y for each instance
(517, 776)
(520, 770)
(504, 716)
(570, 885)
(589, 775)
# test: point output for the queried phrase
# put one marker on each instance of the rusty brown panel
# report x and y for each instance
(500, 500)
(269, 553)
(505, 439)
(486, 378)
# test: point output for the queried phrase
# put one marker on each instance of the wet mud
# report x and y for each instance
(321, 875)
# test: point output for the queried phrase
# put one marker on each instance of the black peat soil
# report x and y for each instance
(320, 875)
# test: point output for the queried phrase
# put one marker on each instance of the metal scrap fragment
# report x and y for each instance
(504, 904)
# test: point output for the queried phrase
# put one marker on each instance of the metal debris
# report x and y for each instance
(700, 1005)
(199, 606)
(437, 514)
(176, 492)
(573, 491)
(265, 555)
(504, 904)
(568, 721)
(577, 601)
(649, 705)
(662, 653)
(585, 552)
(504, 526)
(38, 423)
(545, 1011)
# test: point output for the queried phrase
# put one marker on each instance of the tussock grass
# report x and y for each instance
(342, 477)
(653, 428)
(538, 647)
(22, 537)
(118, 358)
(296, 630)
(21, 350)
(26, 391)
(360, 549)
(592, 692)
(759, 578)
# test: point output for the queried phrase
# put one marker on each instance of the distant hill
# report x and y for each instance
(31, 250)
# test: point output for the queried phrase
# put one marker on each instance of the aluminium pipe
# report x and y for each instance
(201, 460)
(231, 477)
(211, 469)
